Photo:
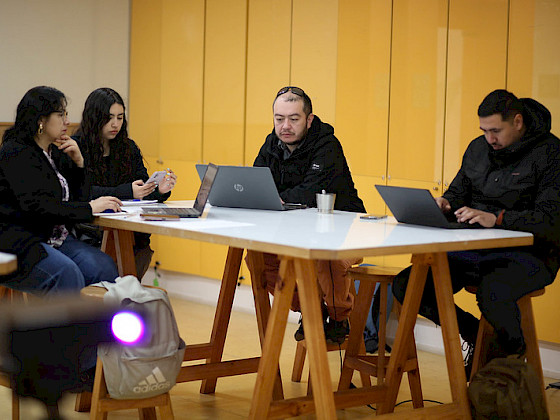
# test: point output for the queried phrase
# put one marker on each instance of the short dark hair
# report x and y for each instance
(501, 102)
(297, 93)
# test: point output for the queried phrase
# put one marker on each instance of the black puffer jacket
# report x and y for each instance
(318, 164)
(522, 179)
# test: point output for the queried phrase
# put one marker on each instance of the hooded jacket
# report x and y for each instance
(523, 179)
(318, 164)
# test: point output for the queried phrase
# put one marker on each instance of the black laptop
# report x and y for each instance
(201, 198)
(416, 206)
(248, 187)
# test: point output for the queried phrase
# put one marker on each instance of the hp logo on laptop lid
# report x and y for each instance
(238, 187)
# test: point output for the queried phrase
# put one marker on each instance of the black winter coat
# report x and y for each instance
(522, 179)
(31, 199)
(318, 164)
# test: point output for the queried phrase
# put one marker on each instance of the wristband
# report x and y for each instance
(500, 218)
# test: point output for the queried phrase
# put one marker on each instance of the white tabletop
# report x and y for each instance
(308, 234)
(8, 263)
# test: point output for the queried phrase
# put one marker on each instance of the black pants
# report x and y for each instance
(502, 277)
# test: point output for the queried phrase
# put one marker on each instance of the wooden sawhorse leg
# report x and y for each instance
(255, 261)
(460, 407)
(263, 406)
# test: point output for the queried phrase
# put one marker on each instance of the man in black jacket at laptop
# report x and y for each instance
(509, 179)
(305, 158)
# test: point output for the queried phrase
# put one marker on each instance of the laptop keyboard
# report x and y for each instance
(173, 211)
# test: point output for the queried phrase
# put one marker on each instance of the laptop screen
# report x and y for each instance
(205, 187)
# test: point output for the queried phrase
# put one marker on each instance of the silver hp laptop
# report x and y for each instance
(208, 179)
(416, 206)
(247, 187)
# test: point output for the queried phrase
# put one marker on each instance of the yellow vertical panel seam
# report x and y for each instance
(244, 145)
(291, 41)
(444, 128)
(203, 82)
(388, 143)
(508, 34)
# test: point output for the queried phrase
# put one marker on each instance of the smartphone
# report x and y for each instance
(157, 177)
(372, 216)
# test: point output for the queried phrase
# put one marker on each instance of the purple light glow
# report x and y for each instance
(127, 327)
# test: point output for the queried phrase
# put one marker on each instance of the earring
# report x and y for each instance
(40, 131)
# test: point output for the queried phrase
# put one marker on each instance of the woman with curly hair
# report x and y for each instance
(116, 165)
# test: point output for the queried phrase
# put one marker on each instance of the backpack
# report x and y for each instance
(507, 388)
(151, 367)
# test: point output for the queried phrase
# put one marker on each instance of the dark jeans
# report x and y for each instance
(502, 277)
(67, 269)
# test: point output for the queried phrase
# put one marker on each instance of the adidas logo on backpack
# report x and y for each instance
(154, 382)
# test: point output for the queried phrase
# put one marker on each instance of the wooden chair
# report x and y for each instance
(485, 332)
(376, 365)
(8, 295)
(355, 356)
(100, 402)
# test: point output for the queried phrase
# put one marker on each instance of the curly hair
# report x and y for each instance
(38, 102)
(95, 116)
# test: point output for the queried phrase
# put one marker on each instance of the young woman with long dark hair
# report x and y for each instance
(115, 164)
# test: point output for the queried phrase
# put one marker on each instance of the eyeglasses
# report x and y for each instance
(293, 89)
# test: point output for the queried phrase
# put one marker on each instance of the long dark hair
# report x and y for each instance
(40, 101)
(95, 116)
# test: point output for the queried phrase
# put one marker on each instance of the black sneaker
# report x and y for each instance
(468, 360)
(336, 331)
(299, 334)
(372, 345)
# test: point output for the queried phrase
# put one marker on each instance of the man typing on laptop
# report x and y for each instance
(510, 179)
(305, 158)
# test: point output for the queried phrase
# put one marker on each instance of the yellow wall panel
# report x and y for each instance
(476, 66)
(212, 260)
(224, 81)
(177, 254)
(314, 52)
(546, 308)
(145, 74)
(417, 98)
(182, 51)
(520, 47)
(367, 192)
(362, 84)
(268, 68)
(546, 64)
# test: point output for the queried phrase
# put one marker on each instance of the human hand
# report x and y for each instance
(443, 204)
(466, 214)
(141, 190)
(169, 182)
(69, 146)
(101, 204)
